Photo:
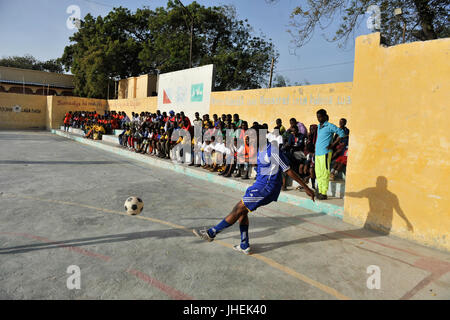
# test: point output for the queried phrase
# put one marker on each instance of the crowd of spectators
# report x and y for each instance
(158, 134)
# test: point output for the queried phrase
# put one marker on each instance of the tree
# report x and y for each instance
(125, 44)
(424, 19)
(30, 62)
(103, 49)
(280, 81)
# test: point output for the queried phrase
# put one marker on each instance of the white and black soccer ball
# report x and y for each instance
(134, 205)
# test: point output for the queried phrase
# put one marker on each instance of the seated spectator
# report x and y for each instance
(131, 137)
(294, 146)
(99, 130)
(154, 142)
(279, 126)
(339, 165)
(144, 140)
(229, 119)
(232, 154)
(216, 121)
(197, 121)
(137, 139)
(244, 153)
(122, 136)
(339, 146)
(160, 144)
(206, 153)
(237, 122)
(89, 130)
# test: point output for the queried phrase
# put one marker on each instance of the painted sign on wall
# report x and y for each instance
(186, 90)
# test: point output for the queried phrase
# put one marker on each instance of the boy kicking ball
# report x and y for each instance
(266, 189)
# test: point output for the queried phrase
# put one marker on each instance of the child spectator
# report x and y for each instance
(339, 165)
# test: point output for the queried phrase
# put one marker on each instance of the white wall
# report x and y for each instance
(187, 90)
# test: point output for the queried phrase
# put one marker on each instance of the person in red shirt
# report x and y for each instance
(249, 153)
(67, 119)
(114, 123)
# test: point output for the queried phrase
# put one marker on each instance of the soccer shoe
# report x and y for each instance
(238, 248)
(322, 196)
(202, 234)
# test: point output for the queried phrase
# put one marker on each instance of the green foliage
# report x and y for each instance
(30, 62)
(424, 19)
(124, 44)
(280, 81)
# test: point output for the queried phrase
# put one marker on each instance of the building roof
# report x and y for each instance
(36, 78)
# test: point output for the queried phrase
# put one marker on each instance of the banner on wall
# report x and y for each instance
(186, 90)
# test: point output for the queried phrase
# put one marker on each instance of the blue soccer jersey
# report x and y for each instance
(269, 179)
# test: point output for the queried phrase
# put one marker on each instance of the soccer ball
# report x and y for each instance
(134, 205)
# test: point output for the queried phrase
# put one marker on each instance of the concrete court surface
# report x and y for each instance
(62, 204)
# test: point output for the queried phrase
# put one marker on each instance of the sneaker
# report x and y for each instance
(322, 196)
(202, 234)
(238, 248)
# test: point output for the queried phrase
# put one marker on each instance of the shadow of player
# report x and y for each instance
(382, 204)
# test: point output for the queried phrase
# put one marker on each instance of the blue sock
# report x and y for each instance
(244, 236)
(215, 230)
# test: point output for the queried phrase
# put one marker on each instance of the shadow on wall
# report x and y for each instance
(382, 204)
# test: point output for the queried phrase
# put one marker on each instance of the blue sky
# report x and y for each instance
(39, 28)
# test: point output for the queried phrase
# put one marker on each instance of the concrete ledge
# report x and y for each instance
(74, 130)
(336, 189)
(110, 139)
(318, 206)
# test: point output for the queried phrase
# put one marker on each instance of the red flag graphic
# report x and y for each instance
(166, 98)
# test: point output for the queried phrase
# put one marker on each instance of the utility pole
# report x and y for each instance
(271, 73)
(399, 13)
(191, 31)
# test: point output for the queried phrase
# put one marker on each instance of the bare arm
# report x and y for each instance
(402, 214)
(291, 173)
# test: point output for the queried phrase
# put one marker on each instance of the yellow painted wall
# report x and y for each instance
(58, 106)
(123, 89)
(133, 105)
(142, 86)
(132, 88)
(266, 105)
(399, 159)
(32, 115)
